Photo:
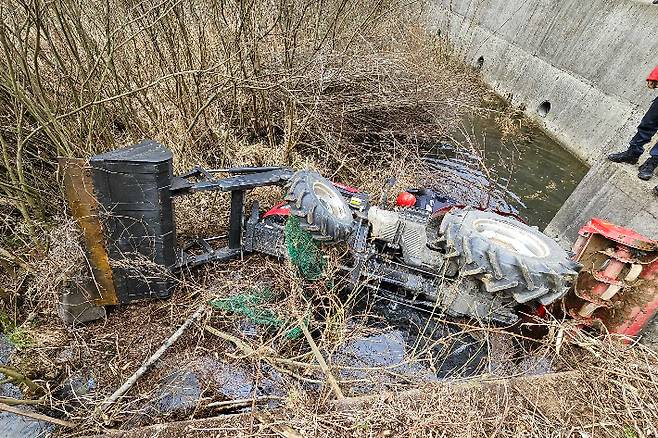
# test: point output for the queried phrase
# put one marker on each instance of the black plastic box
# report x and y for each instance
(132, 186)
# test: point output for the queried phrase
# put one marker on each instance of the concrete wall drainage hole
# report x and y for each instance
(544, 108)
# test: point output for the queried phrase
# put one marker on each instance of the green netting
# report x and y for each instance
(303, 251)
(305, 254)
(252, 305)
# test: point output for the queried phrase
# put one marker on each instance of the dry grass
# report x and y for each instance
(602, 388)
(570, 404)
(354, 89)
(350, 88)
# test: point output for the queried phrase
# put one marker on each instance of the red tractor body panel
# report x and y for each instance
(280, 209)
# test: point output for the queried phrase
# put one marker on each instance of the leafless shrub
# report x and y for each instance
(317, 84)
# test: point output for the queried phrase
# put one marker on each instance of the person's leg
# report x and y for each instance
(654, 150)
(646, 170)
(647, 128)
(645, 131)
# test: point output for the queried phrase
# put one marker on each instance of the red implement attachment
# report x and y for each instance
(617, 234)
(617, 288)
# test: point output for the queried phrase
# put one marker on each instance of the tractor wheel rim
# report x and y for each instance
(512, 238)
(332, 201)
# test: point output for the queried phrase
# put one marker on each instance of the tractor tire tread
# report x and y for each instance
(314, 216)
(499, 269)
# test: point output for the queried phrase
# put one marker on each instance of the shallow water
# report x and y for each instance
(532, 177)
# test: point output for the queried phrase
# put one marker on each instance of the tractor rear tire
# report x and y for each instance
(506, 256)
(321, 209)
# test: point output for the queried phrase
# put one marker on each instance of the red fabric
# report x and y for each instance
(406, 199)
(653, 76)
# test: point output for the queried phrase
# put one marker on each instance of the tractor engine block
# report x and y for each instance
(405, 230)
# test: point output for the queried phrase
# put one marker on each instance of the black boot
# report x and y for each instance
(646, 169)
(624, 157)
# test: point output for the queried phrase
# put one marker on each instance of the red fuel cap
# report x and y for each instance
(406, 199)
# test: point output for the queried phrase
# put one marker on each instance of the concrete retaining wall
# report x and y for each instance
(588, 59)
(609, 191)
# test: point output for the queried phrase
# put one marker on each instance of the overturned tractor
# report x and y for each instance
(464, 261)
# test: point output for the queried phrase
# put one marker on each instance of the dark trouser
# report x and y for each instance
(646, 130)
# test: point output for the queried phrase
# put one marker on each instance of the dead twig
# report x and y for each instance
(10, 401)
(19, 378)
(318, 356)
(249, 351)
(242, 401)
(151, 360)
(36, 416)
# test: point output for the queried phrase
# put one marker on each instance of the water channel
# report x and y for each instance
(528, 173)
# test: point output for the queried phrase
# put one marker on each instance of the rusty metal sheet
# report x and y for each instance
(618, 234)
(79, 192)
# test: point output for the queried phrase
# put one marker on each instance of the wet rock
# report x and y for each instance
(379, 360)
(10, 390)
(179, 393)
(411, 348)
(12, 425)
(6, 349)
(272, 383)
(75, 387)
(181, 390)
(231, 381)
(16, 426)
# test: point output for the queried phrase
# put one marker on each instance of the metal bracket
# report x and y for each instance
(241, 180)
